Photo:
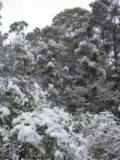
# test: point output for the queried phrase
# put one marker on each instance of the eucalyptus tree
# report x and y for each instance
(105, 17)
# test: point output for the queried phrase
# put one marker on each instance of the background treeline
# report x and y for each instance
(79, 55)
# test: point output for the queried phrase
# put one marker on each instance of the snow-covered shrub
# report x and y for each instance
(48, 132)
(51, 131)
(105, 140)
(21, 95)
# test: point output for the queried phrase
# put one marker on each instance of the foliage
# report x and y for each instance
(60, 89)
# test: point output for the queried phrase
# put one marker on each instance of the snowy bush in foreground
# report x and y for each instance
(51, 132)
(106, 138)
(30, 125)
(37, 130)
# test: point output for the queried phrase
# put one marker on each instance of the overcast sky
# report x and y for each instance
(38, 13)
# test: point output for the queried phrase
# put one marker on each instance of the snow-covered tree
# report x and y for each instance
(51, 77)
(106, 17)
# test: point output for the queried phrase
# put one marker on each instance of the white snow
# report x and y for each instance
(20, 95)
(28, 134)
(56, 121)
(4, 112)
(50, 65)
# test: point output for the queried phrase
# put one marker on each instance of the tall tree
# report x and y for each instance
(73, 23)
(106, 18)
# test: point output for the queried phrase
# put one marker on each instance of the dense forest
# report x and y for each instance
(60, 87)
